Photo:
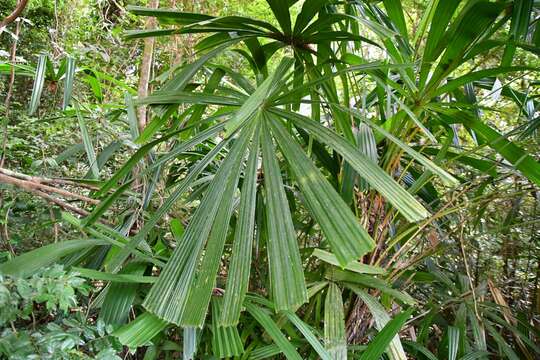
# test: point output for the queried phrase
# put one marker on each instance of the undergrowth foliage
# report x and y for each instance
(329, 180)
(41, 318)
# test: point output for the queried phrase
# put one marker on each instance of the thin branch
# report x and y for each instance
(60, 203)
(15, 14)
(44, 180)
(31, 185)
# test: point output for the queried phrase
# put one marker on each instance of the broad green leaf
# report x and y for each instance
(203, 284)
(367, 144)
(427, 18)
(256, 102)
(378, 345)
(177, 229)
(143, 150)
(519, 28)
(88, 146)
(334, 324)
(437, 30)
(522, 337)
(105, 204)
(39, 81)
(93, 81)
(280, 8)
(395, 13)
(140, 331)
(453, 342)
(395, 350)
(410, 208)
(502, 343)
(308, 334)
(525, 163)
(120, 277)
(474, 22)
(286, 271)
(107, 77)
(316, 287)
(117, 239)
(348, 239)
(410, 113)
(68, 81)
(430, 165)
(141, 34)
(213, 82)
(484, 165)
(30, 262)
(475, 76)
(185, 97)
(309, 9)
(236, 22)
(292, 95)
(352, 266)
(190, 343)
(479, 354)
(179, 82)
(273, 331)
(478, 331)
(240, 263)
(265, 352)
(120, 296)
(169, 296)
(226, 341)
(20, 69)
(421, 349)
(180, 189)
(371, 282)
(169, 16)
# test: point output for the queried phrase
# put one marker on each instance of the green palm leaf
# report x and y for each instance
(286, 272)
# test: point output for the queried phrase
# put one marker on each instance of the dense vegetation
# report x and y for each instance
(281, 179)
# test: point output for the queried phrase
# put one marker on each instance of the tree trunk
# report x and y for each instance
(146, 66)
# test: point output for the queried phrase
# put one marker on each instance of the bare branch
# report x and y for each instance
(15, 14)
(32, 188)
(44, 180)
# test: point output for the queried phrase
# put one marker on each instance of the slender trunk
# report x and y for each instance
(7, 102)
(146, 66)
(176, 47)
(142, 115)
(535, 303)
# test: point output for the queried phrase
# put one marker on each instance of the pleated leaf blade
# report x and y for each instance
(334, 323)
(409, 207)
(240, 264)
(168, 298)
(39, 81)
(286, 272)
(348, 239)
